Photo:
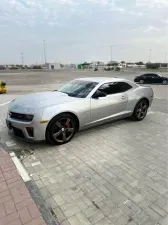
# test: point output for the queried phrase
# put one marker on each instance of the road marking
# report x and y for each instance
(20, 167)
(150, 112)
(36, 163)
(158, 98)
(5, 103)
(162, 98)
(10, 143)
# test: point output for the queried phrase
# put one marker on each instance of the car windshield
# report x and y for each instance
(78, 88)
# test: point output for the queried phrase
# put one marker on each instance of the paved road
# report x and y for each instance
(115, 174)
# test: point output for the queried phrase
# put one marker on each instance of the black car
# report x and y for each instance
(151, 78)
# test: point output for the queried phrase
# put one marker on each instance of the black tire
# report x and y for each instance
(141, 82)
(165, 82)
(58, 131)
(140, 110)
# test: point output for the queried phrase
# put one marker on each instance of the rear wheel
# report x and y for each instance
(141, 110)
(165, 82)
(141, 82)
(61, 129)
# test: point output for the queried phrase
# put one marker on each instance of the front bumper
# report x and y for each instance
(22, 130)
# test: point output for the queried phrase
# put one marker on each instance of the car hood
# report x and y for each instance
(39, 100)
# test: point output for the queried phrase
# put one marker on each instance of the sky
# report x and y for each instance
(75, 31)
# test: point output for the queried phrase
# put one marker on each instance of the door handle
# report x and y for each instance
(123, 97)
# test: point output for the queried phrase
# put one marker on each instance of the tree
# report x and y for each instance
(139, 63)
(164, 65)
(112, 64)
(38, 67)
(153, 66)
(122, 61)
(117, 69)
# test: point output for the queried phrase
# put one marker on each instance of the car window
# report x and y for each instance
(78, 88)
(155, 75)
(147, 75)
(150, 75)
(114, 88)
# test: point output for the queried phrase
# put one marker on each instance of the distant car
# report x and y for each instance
(150, 78)
(3, 88)
(55, 116)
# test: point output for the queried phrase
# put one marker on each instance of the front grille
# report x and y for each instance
(18, 132)
(21, 117)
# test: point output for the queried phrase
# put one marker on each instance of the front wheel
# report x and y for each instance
(61, 129)
(141, 110)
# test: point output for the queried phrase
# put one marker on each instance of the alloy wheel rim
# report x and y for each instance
(63, 130)
(141, 110)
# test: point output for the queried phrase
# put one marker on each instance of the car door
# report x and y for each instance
(157, 79)
(148, 78)
(113, 104)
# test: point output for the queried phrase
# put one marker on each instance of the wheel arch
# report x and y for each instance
(66, 112)
(143, 98)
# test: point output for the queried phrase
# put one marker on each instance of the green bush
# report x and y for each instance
(13, 68)
(37, 67)
(153, 66)
(117, 69)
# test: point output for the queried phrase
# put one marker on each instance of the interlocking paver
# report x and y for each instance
(71, 211)
(83, 219)
(149, 221)
(95, 217)
(140, 217)
(98, 171)
(164, 221)
(16, 205)
(121, 220)
(114, 214)
(59, 214)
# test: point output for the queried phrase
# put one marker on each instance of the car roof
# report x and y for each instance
(150, 73)
(101, 79)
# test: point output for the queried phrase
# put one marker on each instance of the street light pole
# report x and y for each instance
(150, 51)
(22, 58)
(45, 58)
(111, 51)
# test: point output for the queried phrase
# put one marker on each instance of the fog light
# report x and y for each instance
(30, 131)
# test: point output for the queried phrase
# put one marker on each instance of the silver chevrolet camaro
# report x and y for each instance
(56, 115)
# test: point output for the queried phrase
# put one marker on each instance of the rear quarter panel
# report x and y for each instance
(137, 94)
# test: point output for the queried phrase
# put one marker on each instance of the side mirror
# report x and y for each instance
(99, 94)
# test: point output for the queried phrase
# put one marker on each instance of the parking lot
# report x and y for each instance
(115, 174)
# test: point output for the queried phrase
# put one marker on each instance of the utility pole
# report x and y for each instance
(111, 52)
(45, 59)
(150, 52)
(22, 58)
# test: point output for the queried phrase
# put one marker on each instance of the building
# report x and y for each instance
(53, 66)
